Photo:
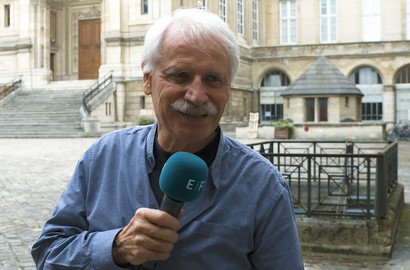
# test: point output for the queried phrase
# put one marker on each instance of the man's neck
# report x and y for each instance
(190, 146)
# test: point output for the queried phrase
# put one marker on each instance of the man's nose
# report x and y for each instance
(196, 92)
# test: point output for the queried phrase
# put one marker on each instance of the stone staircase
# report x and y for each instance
(52, 111)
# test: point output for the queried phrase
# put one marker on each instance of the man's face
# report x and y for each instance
(189, 88)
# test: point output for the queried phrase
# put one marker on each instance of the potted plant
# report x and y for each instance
(284, 129)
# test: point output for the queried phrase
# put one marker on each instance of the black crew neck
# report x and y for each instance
(208, 154)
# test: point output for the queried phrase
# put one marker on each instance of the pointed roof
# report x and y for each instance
(322, 78)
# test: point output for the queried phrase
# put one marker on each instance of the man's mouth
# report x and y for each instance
(194, 115)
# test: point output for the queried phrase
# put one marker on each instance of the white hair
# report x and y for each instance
(200, 25)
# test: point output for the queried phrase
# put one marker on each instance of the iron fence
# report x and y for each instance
(336, 178)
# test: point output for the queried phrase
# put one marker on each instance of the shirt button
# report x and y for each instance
(150, 159)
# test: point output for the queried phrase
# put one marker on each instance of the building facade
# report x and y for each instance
(367, 40)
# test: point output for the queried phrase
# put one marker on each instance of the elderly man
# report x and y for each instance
(108, 217)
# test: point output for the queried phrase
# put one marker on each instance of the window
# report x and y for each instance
(255, 7)
(240, 17)
(371, 24)
(107, 108)
(287, 22)
(328, 21)
(275, 78)
(403, 75)
(144, 6)
(366, 75)
(322, 109)
(408, 19)
(202, 4)
(372, 111)
(53, 27)
(222, 10)
(6, 15)
(310, 109)
(271, 102)
(271, 112)
(369, 82)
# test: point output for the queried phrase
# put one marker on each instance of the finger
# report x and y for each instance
(181, 214)
(158, 217)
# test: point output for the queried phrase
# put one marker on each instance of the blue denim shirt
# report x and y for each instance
(243, 220)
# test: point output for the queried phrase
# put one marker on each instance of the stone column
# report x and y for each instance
(120, 101)
(389, 103)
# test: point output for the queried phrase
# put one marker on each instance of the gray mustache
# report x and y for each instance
(186, 107)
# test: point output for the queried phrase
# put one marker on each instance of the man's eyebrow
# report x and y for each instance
(172, 70)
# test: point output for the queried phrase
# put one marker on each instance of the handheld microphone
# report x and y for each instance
(182, 179)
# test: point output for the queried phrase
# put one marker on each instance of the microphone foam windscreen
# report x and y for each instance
(183, 176)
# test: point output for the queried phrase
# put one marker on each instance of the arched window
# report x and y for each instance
(366, 75)
(274, 79)
(369, 81)
(271, 103)
(403, 76)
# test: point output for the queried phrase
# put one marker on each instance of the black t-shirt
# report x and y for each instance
(208, 154)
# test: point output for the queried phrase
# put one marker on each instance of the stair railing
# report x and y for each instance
(9, 87)
(95, 89)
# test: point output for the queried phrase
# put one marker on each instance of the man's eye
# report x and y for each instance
(215, 80)
(181, 74)
(177, 76)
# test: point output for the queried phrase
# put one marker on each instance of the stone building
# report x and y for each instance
(321, 87)
(68, 40)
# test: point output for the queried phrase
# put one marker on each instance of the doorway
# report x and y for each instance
(89, 49)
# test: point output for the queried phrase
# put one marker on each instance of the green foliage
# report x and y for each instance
(145, 121)
(281, 124)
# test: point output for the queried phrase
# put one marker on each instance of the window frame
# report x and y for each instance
(310, 109)
(408, 19)
(144, 7)
(330, 17)
(7, 16)
(288, 35)
(371, 20)
(323, 109)
(222, 10)
(275, 110)
(255, 20)
(240, 17)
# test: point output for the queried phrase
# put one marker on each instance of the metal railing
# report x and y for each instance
(95, 89)
(336, 178)
(9, 87)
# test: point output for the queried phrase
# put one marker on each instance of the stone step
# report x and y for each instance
(52, 111)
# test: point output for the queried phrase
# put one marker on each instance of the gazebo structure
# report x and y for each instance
(322, 94)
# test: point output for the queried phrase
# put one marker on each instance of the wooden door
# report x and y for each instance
(89, 49)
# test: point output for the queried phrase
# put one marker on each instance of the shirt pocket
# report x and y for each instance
(216, 246)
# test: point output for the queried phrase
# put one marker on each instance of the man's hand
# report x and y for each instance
(150, 236)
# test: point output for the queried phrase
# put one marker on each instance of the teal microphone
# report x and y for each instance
(182, 179)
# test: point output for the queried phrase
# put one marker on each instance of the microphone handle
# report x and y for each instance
(171, 206)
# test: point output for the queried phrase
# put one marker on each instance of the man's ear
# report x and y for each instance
(147, 83)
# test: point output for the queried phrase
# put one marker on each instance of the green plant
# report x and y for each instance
(281, 124)
(145, 121)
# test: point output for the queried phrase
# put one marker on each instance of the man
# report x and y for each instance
(108, 217)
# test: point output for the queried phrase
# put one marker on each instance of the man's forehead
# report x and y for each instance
(180, 33)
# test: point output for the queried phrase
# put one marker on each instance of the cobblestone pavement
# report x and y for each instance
(34, 172)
